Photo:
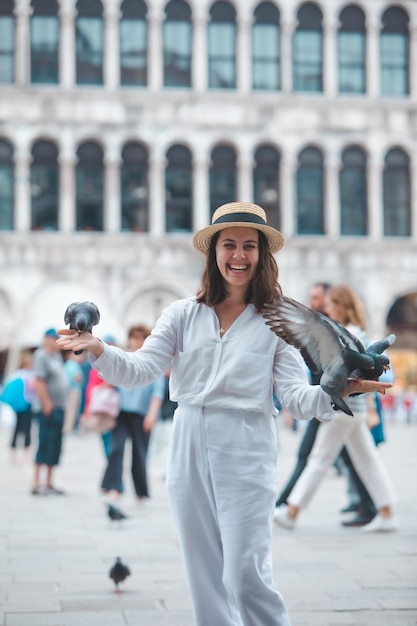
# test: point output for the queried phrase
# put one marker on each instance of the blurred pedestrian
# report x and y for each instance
(51, 385)
(221, 475)
(94, 380)
(316, 303)
(361, 502)
(75, 376)
(343, 306)
(19, 393)
(139, 410)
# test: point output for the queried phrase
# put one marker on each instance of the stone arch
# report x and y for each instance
(48, 307)
(402, 320)
(147, 305)
(7, 330)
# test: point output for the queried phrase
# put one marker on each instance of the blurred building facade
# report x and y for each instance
(125, 123)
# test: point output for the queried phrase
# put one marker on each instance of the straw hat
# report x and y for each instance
(238, 214)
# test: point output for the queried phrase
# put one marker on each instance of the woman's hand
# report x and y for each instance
(361, 385)
(72, 340)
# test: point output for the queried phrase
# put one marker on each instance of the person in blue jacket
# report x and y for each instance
(139, 411)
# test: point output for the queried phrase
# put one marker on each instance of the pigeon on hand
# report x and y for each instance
(118, 573)
(115, 514)
(82, 316)
(328, 348)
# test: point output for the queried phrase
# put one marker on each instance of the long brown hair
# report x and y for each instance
(350, 306)
(263, 289)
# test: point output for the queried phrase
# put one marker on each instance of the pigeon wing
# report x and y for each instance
(346, 338)
(380, 346)
(307, 330)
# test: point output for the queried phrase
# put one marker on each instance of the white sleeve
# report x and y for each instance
(302, 400)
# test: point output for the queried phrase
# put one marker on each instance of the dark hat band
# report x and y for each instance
(240, 217)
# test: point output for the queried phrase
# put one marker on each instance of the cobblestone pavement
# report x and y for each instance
(56, 551)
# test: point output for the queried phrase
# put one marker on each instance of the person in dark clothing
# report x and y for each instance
(316, 302)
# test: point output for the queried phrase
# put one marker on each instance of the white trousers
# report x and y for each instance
(352, 432)
(221, 480)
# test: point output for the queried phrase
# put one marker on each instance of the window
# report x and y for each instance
(222, 177)
(134, 186)
(133, 44)
(178, 190)
(266, 48)
(44, 186)
(266, 183)
(89, 42)
(222, 46)
(177, 44)
(310, 196)
(351, 43)
(7, 41)
(308, 50)
(44, 41)
(394, 53)
(6, 185)
(396, 194)
(353, 194)
(89, 187)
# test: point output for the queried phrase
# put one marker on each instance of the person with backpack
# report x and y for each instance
(19, 393)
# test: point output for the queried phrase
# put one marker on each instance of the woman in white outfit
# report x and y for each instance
(343, 306)
(221, 472)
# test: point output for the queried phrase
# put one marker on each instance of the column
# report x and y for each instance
(155, 53)
(372, 57)
(332, 196)
(413, 199)
(330, 58)
(244, 47)
(375, 196)
(199, 59)
(67, 200)
(157, 196)
(287, 29)
(201, 193)
(22, 59)
(23, 219)
(112, 192)
(245, 177)
(67, 47)
(288, 171)
(111, 47)
(412, 70)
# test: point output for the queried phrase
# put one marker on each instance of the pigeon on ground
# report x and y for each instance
(328, 348)
(82, 316)
(115, 514)
(118, 573)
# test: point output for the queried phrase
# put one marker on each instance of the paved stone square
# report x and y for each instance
(56, 551)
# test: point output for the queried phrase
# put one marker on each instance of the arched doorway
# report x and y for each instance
(402, 321)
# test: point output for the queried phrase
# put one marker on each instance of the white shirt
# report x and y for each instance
(237, 371)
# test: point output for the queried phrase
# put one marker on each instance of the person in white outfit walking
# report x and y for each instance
(226, 363)
(343, 306)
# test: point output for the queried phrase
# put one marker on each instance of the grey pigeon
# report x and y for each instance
(119, 572)
(115, 514)
(328, 348)
(82, 316)
(381, 361)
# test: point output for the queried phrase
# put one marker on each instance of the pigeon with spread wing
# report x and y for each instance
(327, 347)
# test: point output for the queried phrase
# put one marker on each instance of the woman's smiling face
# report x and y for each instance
(237, 255)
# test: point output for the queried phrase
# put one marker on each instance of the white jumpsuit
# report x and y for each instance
(221, 472)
